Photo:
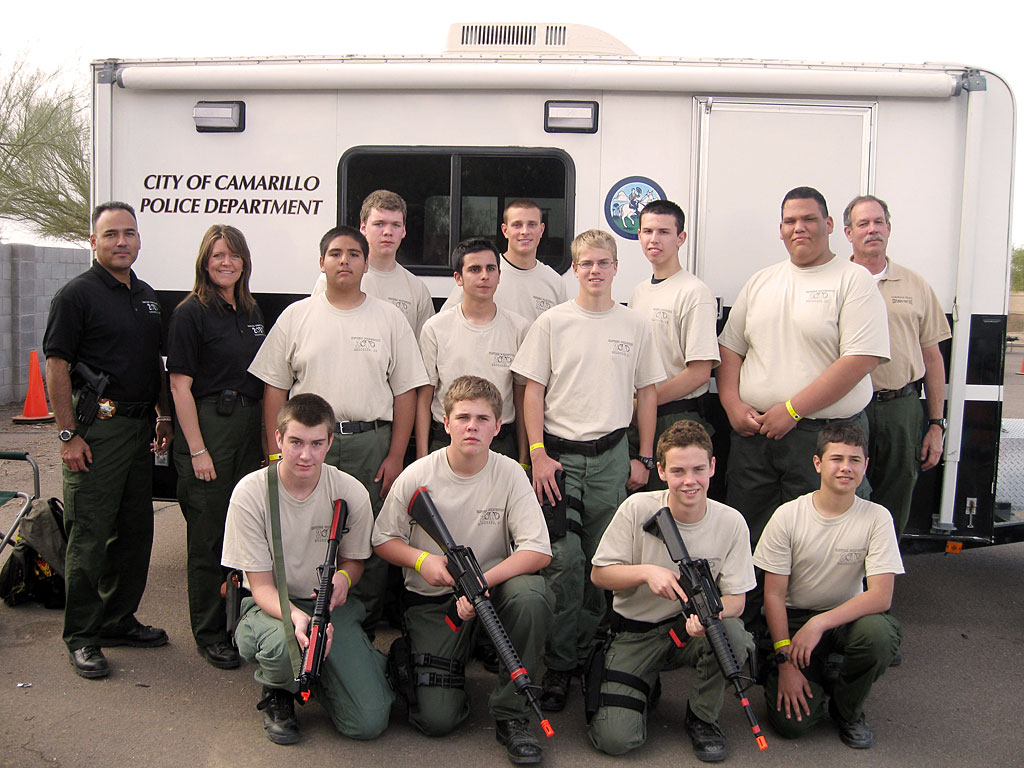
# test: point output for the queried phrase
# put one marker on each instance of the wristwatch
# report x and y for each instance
(647, 461)
(66, 435)
(940, 423)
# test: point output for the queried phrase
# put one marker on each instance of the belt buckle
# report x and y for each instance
(341, 428)
(106, 408)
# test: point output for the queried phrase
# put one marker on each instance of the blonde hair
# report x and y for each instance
(593, 238)
(382, 200)
(472, 388)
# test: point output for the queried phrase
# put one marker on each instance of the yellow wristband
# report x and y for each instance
(535, 446)
(419, 561)
(274, 457)
(347, 577)
(781, 644)
(792, 411)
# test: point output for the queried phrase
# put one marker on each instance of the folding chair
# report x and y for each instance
(27, 500)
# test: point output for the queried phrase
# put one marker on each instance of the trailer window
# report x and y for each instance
(454, 193)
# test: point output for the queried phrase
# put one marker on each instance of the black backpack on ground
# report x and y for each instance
(35, 568)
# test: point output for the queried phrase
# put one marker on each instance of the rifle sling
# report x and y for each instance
(273, 494)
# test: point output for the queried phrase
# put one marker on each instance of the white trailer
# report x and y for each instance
(285, 148)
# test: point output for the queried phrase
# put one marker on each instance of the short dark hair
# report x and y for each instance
(665, 207)
(683, 434)
(346, 231)
(309, 410)
(112, 205)
(473, 245)
(848, 212)
(521, 202)
(806, 193)
(846, 432)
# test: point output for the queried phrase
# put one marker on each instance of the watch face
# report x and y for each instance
(65, 435)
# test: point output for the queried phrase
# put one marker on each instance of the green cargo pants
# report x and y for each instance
(617, 730)
(352, 686)
(524, 607)
(360, 456)
(600, 483)
(234, 445)
(867, 644)
(108, 515)
(897, 428)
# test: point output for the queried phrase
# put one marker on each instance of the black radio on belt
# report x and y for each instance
(226, 401)
(90, 392)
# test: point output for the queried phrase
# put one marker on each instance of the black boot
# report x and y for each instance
(278, 707)
(708, 739)
(523, 747)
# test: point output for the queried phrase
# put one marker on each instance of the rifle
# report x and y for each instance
(470, 584)
(313, 656)
(703, 600)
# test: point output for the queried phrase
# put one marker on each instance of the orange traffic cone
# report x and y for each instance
(36, 409)
(1021, 371)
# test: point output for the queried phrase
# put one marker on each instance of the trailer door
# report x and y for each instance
(750, 153)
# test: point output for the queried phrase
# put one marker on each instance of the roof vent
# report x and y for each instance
(533, 38)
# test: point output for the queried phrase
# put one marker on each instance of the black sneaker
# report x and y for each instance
(555, 685)
(708, 739)
(279, 723)
(856, 734)
(523, 747)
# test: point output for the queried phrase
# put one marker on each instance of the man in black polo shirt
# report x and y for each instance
(109, 321)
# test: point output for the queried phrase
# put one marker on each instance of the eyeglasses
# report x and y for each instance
(603, 264)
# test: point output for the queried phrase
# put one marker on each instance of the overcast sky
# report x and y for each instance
(984, 34)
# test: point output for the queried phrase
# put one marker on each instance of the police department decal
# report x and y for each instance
(624, 202)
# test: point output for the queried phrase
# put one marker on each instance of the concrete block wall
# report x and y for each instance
(29, 277)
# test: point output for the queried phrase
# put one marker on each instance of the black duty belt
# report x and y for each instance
(679, 406)
(584, 447)
(130, 409)
(243, 400)
(437, 431)
(816, 425)
(885, 395)
(622, 624)
(356, 427)
(410, 598)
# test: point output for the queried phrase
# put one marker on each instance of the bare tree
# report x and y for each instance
(44, 154)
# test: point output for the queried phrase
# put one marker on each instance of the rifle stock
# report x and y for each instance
(313, 656)
(703, 600)
(470, 583)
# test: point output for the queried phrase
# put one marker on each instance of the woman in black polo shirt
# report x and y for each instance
(215, 333)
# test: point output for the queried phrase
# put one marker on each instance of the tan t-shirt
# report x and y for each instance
(790, 324)
(916, 320)
(358, 359)
(684, 316)
(452, 346)
(400, 287)
(527, 292)
(591, 363)
(721, 537)
(494, 512)
(827, 558)
(305, 526)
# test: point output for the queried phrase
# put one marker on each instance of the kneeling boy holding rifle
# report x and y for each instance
(281, 522)
(486, 506)
(651, 631)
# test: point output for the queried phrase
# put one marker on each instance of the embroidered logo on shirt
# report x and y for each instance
(902, 300)
(542, 304)
(819, 296)
(621, 348)
(319, 532)
(257, 329)
(153, 307)
(501, 359)
(489, 516)
(402, 304)
(365, 344)
(661, 315)
(851, 556)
